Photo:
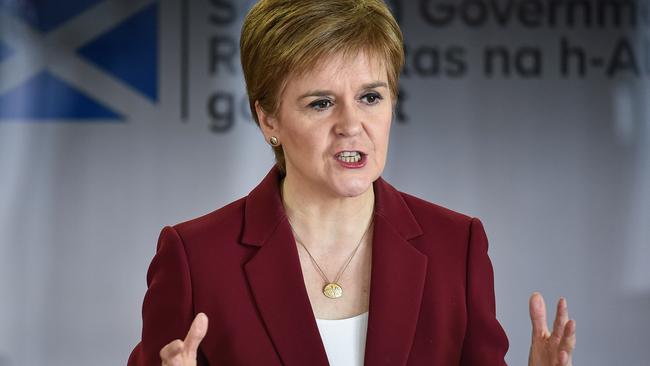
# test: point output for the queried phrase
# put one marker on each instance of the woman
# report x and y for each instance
(324, 261)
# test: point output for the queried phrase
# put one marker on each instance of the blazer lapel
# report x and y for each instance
(397, 280)
(277, 284)
(276, 280)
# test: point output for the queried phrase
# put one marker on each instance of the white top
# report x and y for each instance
(344, 339)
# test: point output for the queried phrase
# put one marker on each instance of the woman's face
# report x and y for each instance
(333, 123)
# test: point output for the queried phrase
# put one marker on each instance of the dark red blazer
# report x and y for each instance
(431, 293)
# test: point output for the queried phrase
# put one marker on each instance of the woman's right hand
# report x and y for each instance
(183, 353)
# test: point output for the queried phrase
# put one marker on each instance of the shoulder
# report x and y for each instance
(426, 208)
(442, 226)
(414, 214)
(448, 235)
(429, 214)
(227, 220)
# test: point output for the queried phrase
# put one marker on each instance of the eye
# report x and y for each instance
(372, 98)
(320, 105)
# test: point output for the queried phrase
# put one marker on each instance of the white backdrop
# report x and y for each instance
(120, 117)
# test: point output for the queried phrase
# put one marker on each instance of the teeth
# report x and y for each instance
(349, 156)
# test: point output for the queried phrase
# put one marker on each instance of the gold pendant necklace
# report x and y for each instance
(332, 289)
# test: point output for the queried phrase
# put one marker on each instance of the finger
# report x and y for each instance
(197, 331)
(538, 315)
(561, 318)
(171, 349)
(563, 358)
(568, 342)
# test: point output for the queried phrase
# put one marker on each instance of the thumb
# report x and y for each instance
(197, 331)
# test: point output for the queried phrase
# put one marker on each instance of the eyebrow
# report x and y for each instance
(324, 93)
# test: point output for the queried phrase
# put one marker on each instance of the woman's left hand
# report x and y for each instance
(551, 349)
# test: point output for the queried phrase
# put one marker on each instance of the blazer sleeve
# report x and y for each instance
(167, 310)
(485, 341)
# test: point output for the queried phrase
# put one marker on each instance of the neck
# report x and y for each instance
(326, 223)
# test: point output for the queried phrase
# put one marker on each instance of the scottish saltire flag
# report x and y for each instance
(77, 60)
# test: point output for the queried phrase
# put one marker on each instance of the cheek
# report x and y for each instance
(307, 143)
(382, 134)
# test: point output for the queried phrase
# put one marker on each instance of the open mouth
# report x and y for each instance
(349, 156)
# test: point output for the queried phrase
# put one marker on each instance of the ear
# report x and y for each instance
(268, 123)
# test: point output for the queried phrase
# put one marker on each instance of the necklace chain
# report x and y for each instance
(331, 290)
(322, 274)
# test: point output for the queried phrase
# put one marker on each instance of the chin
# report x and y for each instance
(353, 188)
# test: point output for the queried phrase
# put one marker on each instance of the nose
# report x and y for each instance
(349, 121)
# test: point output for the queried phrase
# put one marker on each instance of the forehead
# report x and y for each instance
(340, 69)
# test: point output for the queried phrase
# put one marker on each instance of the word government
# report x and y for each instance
(537, 13)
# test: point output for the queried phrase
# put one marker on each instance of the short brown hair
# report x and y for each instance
(280, 38)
